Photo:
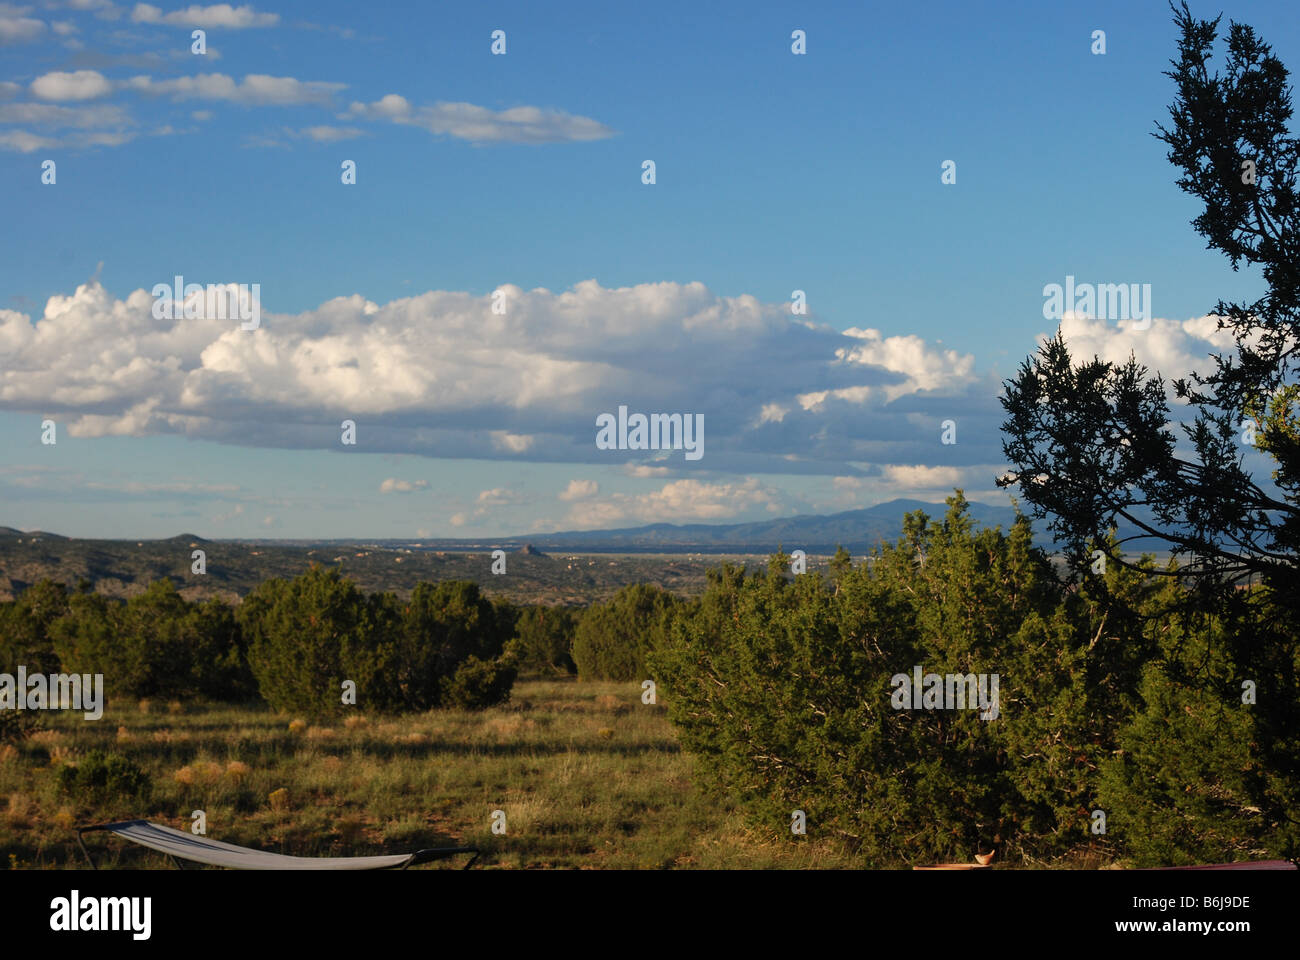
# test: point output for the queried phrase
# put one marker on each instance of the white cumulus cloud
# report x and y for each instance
(440, 374)
(579, 490)
(79, 85)
(215, 15)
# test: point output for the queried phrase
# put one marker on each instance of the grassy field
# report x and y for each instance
(587, 775)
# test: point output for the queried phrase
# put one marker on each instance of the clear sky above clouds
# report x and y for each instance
(523, 173)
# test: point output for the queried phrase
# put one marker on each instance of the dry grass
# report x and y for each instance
(586, 774)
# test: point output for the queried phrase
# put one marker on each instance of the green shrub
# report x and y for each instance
(544, 639)
(613, 638)
(782, 688)
(479, 683)
(1199, 776)
(103, 776)
(25, 625)
(309, 635)
(1109, 699)
(442, 627)
(156, 644)
(218, 666)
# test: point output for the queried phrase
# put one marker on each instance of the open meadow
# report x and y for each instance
(587, 775)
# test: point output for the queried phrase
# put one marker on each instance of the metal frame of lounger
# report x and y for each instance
(420, 856)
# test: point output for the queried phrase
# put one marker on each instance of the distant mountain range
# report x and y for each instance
(857, 530)
(544, 567)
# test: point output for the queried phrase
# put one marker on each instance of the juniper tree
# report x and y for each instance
(1092, 444)
(612, 638)
(25, 628)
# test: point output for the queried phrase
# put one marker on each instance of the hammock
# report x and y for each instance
(186, 846)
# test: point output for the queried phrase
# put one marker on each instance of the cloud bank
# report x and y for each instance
(443, 375)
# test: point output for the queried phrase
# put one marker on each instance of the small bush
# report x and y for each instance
(479, 683)
(100, 776)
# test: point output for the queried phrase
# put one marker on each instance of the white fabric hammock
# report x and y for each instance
(176, 843)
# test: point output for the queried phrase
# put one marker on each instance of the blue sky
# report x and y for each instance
(523, 172)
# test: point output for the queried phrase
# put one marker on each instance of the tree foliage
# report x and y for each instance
(310, 634)
(446, 628)
(25, 628)
(782, 689)
(613, 638)
(154, 644)
(544, 638)
(1092, 445)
